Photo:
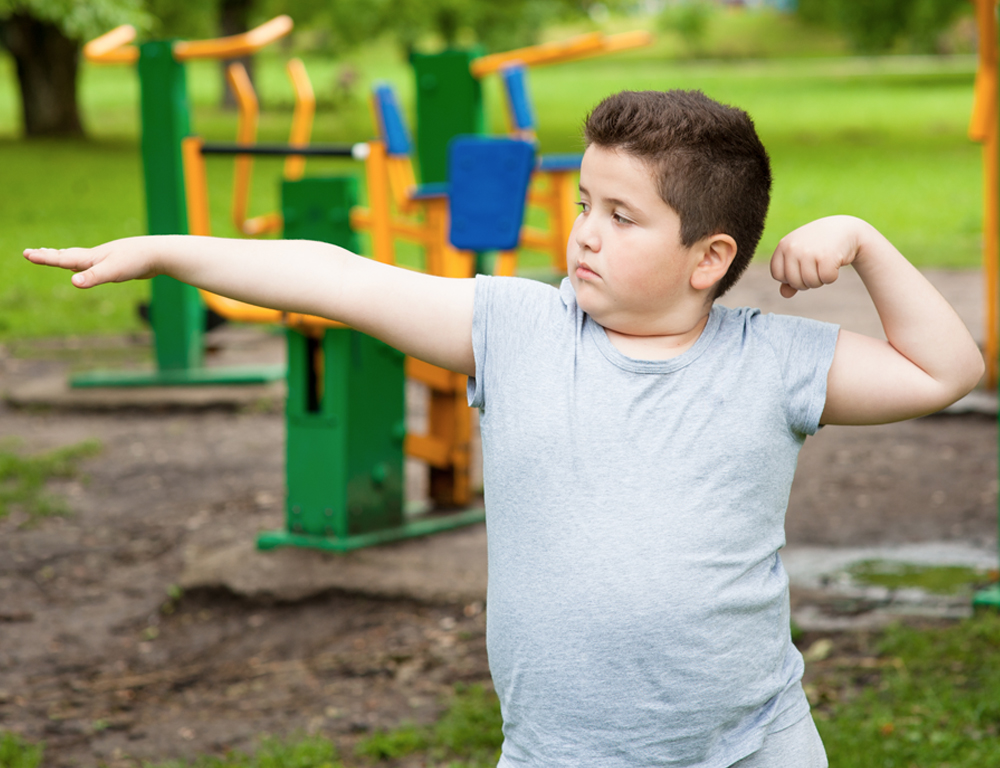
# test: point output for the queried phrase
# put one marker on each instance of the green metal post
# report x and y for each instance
(345, 413)
(176, 311)
(449, 103)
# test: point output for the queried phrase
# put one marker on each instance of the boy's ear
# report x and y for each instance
(717, 253)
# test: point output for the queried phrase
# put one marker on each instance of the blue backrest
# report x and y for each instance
(515, 86)
(392, 126)
(488, 187)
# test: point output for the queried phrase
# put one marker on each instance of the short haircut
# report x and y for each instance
(708, 163)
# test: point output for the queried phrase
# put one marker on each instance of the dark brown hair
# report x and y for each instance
(707, 160)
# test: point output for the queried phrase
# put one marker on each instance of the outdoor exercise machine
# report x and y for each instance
(449, 103)
(985, 128)
(177, 315)
(345, 413)
(345, 409)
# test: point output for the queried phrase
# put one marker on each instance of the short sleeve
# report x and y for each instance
(803, 349)
(508, 315)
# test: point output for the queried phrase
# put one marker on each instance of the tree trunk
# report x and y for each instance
(47, 63)
(234, 19)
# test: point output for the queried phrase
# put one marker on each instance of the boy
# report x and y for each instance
(639, 441)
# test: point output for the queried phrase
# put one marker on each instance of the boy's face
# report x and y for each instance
(624, 257)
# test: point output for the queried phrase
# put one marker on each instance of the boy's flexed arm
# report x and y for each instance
(929, 360)
(424, 316)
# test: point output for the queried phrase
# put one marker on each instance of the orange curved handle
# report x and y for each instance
(246, 133)
(235, 46)
(302, 117)
(113, 47)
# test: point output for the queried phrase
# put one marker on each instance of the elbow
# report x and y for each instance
(966, 377)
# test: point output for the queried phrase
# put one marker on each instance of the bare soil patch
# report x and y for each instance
(102, 660)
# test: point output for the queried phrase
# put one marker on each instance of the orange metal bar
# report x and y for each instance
(246, 133)
(302, 117)
(535, 55)
(113, 47)
(195, 186)
(379, 211)
(235, 46)
(625, 40)
(985, 128)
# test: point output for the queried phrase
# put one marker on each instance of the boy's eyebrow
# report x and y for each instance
(612, 201)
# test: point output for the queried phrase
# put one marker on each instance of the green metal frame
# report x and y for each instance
(177, 314)
(449, 104)
(345, 413)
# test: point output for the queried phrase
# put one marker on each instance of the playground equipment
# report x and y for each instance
(346, 434)
(177, 315)
(985, 128)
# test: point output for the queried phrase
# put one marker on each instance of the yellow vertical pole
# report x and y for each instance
(985, 128)
(195, 186)
(563, 214)
(377, 179)
(302, 117)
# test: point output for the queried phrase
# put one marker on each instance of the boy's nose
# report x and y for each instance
(585, 234)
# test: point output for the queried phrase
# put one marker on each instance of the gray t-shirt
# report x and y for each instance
(637, 607)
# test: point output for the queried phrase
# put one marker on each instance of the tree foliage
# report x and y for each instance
(878, 26)
(79, 19)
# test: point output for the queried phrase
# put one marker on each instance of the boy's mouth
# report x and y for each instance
(584, 272)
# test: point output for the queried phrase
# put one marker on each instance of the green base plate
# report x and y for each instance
(423, 526)
(190, 377)
(989, 597)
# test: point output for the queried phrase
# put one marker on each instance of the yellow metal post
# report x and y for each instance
(984, 128)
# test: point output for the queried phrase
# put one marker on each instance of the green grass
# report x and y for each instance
(934, 702)
(469, 731)
(15, 752)
(884, 139)
(943, 580)
(23, 479)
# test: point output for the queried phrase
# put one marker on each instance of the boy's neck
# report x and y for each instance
(658, 346)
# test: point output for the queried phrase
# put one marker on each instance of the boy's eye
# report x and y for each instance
(619, 219)
(584, 207)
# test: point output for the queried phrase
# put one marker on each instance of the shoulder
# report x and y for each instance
(773, 329)
(520, 296)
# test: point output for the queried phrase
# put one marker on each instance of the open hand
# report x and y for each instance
(114, 262)
(812, 255)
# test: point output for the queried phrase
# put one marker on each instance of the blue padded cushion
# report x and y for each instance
(515, 82)
(488, 180)
(559, 162)
(393, 128)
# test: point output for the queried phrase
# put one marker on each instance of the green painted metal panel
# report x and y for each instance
(345, 407)
(319, 208)
(176, 312)
(449, 104)
(346, 425)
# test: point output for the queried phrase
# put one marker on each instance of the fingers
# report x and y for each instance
(76, 259)
(83, 261)
(799, 267)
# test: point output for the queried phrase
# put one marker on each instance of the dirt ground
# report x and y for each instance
(105, 663)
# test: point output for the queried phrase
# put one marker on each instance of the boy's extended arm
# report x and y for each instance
(929, 361)
(424, 316)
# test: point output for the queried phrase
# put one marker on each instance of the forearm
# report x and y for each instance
(918, 322)
(291, 275)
